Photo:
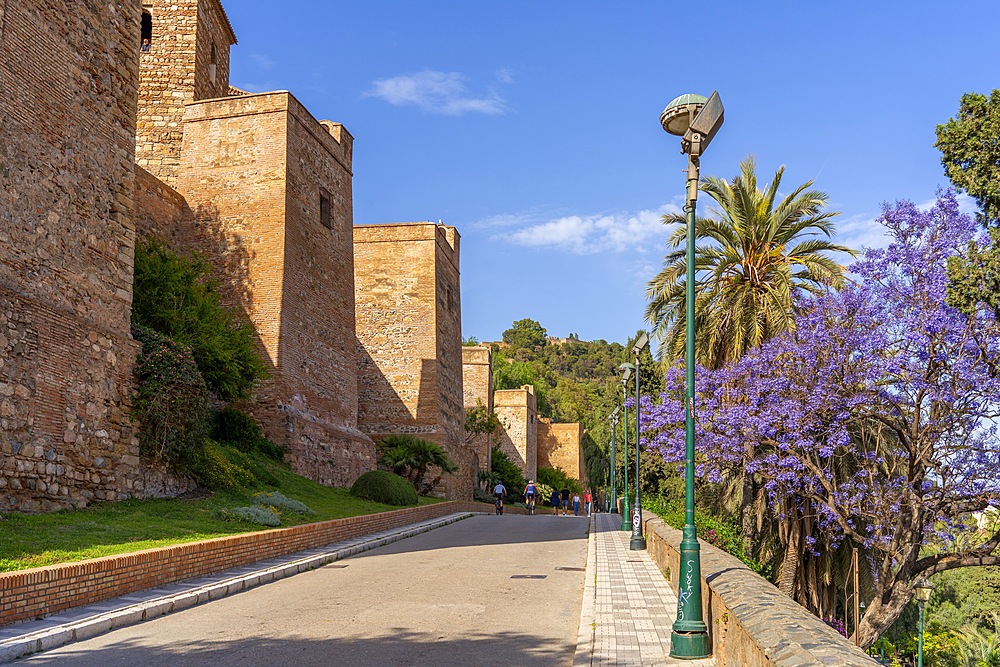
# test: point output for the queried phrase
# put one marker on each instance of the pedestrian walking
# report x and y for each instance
(576, 504)
(588, 500)
(564, 497)
(555, 501)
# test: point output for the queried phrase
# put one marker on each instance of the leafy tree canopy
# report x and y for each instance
(970, 151)
(526, 333)
(875, 414)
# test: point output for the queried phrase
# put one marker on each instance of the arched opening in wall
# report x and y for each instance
(213, 65)
(146, 31)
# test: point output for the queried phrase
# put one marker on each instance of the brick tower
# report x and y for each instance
(187, 60)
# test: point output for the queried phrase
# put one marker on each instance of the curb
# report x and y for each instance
(588, 618)
(100, 619)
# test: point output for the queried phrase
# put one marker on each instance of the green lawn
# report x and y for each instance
(32, 540)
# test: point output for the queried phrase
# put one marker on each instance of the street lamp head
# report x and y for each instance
(677, 117)
(695, 119)
(922, 589)
(641, 343)
(627, 369)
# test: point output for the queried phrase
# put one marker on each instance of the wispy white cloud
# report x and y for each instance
(862, 231)
(443, 93)
(641, 231)
(263, 62)
(505, 75)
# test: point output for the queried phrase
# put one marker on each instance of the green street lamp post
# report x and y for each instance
(613, 501)
(922, 589)
(696, 120)
(627, 370)
(638, 542)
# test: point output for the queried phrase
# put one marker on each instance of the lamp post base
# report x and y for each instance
(690, 645)
(637, 543)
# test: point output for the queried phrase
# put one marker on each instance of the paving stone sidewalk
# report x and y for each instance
(628, 605)
(92, 620)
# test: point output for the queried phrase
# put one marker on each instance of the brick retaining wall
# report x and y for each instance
(38, 592)
(751, 622)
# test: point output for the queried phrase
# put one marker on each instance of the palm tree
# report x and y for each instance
(761, 258)
(413, 457)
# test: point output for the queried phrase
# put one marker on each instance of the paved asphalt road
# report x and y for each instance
(446, 597)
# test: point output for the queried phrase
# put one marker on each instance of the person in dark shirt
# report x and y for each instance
(555, 502)
(564, 495)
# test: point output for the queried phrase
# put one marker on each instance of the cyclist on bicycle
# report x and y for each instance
(529, 496)
(499, 491)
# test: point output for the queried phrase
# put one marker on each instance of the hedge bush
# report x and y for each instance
(171, 401)
(213, 469)
(383, 486)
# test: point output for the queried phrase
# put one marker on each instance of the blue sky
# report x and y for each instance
(533, 127)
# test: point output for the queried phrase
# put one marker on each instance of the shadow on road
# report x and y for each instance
(400, 647)
(478, 531)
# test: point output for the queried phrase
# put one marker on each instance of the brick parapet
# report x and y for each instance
(39, 592)
(751, 623)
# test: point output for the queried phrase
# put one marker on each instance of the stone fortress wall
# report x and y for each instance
(155, 142)
(477, 390)
(67, 127)
(559, 446)
(518, 414)
(408, 326)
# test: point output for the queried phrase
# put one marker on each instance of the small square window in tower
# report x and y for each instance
(325, 216)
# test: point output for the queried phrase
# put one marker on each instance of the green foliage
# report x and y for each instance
(261, 516)
(974, 281)
(383, 486)
(556, 478)
(280, 501)
(761, 255)
(526, 333)
(718, 532)
(970, 151)
(212, 468)
(504, 470)
(965, 596)
(241, 431)
(479, 421)
(412, 458)
(171, 401)
(174, 296)
(471, 341)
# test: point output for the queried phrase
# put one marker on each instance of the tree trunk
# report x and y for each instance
(789, 570)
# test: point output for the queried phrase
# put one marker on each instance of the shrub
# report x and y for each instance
(383, 486)
(718, 532)
(241, 431)
(175, 296)
(506, 471)
(171, 401)
(214, 470)
(412, 458)
(262, 516)
(252, 464)
(279, 500)
(556, 478)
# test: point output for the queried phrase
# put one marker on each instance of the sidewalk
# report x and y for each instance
(628, 605)
(92, 620)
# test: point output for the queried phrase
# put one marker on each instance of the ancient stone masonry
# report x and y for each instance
(559, 446)
(409, 333)
(187, 60)
(477, 390)
(516, 409)
(66, 241)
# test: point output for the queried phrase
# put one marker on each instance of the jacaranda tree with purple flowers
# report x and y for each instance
(872, 420)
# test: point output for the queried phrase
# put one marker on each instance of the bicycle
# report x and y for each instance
(529, 502)
(498, 502)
